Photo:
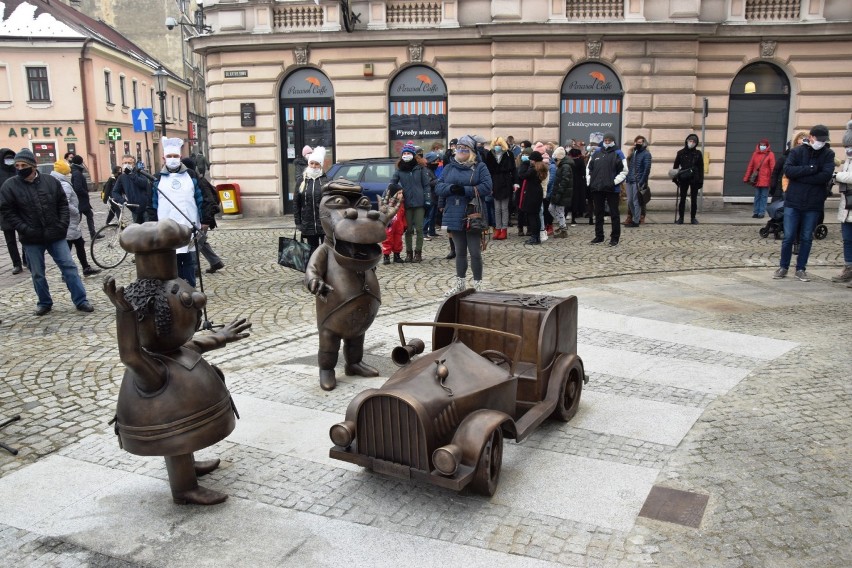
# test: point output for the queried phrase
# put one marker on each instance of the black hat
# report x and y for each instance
(77, 160)
(454, 141)
(820, 132)
(536, 157)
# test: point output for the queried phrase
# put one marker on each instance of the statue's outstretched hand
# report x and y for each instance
(116, 295)
(319, 288)
(237, 329)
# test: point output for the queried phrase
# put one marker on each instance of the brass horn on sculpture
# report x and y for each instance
(402, 354)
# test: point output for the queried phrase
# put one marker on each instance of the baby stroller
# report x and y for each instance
(775, 225)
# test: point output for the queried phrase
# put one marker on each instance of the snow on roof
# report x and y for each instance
(23, 23)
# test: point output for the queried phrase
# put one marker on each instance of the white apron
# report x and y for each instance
(180, 188)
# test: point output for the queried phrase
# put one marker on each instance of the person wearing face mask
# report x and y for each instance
(176, 195)
(411, 176)
(690, 161)
(638, 170)
(606, 169)
(501, 165)
(41, 229)
(7, 170)
(809, 168)
(134, 187)
(844, 212)
(81, 188)
(106, 192)
(762, 164)
(308, 196)
(523, 161)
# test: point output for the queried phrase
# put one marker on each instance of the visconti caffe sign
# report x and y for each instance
(41, 131)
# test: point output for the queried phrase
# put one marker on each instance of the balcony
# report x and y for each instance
(595, 10)
(773, 10)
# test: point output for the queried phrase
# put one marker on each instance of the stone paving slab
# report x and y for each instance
(768, 450)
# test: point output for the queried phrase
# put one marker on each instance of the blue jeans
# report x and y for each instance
(634, 201)
(760, 195)
(802, 224)
(429, 220)
(846, 233)
(58, 250)
(186, 266)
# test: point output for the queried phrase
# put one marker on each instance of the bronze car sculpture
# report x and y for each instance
(443, 416)
(341, 273)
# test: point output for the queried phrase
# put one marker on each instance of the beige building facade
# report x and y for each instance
(69, 83)
(284, 74)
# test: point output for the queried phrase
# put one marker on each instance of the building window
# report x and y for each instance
(135, 88)
(154, 107)
(180, 112)
(122, 90)
(173, 106)
(37, 83)
(108, 87)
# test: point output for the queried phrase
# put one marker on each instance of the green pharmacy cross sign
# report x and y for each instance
(114, 133)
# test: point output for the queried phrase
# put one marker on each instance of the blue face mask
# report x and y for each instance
(498, 150)
(525, 158)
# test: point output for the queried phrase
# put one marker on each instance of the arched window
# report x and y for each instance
(418, 109)
(591, 104)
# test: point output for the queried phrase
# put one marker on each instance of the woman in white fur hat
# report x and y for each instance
(844, 213)
(308, 196)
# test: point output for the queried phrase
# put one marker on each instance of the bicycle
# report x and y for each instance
(105, 248)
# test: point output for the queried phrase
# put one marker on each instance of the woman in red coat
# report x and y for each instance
(760, 167)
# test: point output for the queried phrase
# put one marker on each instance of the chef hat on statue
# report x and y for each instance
(318, 156)
(154, 243)
(171, 146)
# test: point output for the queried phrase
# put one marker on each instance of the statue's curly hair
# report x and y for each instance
(138, 294)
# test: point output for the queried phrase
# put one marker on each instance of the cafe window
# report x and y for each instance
(418, 109)
(37, 84)
(108, 87)
(591, 104)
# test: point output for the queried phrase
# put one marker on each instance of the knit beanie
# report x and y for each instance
(77, 160)
(62, 167)
(26, 155)
(306, 151)
(559, 153)
(847, 136)
(408, 148)
(536, 156)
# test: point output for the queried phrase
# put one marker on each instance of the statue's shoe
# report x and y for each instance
(206, 466)
(361, 369)
(198, 496)
(327, 379)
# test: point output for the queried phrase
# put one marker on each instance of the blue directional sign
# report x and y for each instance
(143, 119)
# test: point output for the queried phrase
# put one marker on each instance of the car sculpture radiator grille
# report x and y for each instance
(392, 432)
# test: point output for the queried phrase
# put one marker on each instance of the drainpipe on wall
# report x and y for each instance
(91, 155)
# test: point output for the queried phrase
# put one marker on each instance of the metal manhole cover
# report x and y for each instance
(674, 506)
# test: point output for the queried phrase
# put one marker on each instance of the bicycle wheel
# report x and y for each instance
(105, 248)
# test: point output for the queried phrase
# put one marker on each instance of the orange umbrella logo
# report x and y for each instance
(425, 79)
(313, 81)
(598, 75)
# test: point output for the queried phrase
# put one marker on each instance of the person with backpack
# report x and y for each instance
(759, 175)
(210, 207)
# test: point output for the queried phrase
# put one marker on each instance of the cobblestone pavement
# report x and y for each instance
(765, 434)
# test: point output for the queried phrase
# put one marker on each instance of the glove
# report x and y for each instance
(457, 189)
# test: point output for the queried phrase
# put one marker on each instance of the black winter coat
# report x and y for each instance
(38, 211)
(503, 174)
(78, 182)
(563, 185)
(532, 191)
(690, 158)
(5, 173)
(809, 171)
(306, 209)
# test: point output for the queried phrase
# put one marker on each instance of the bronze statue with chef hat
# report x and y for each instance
(171, 402)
